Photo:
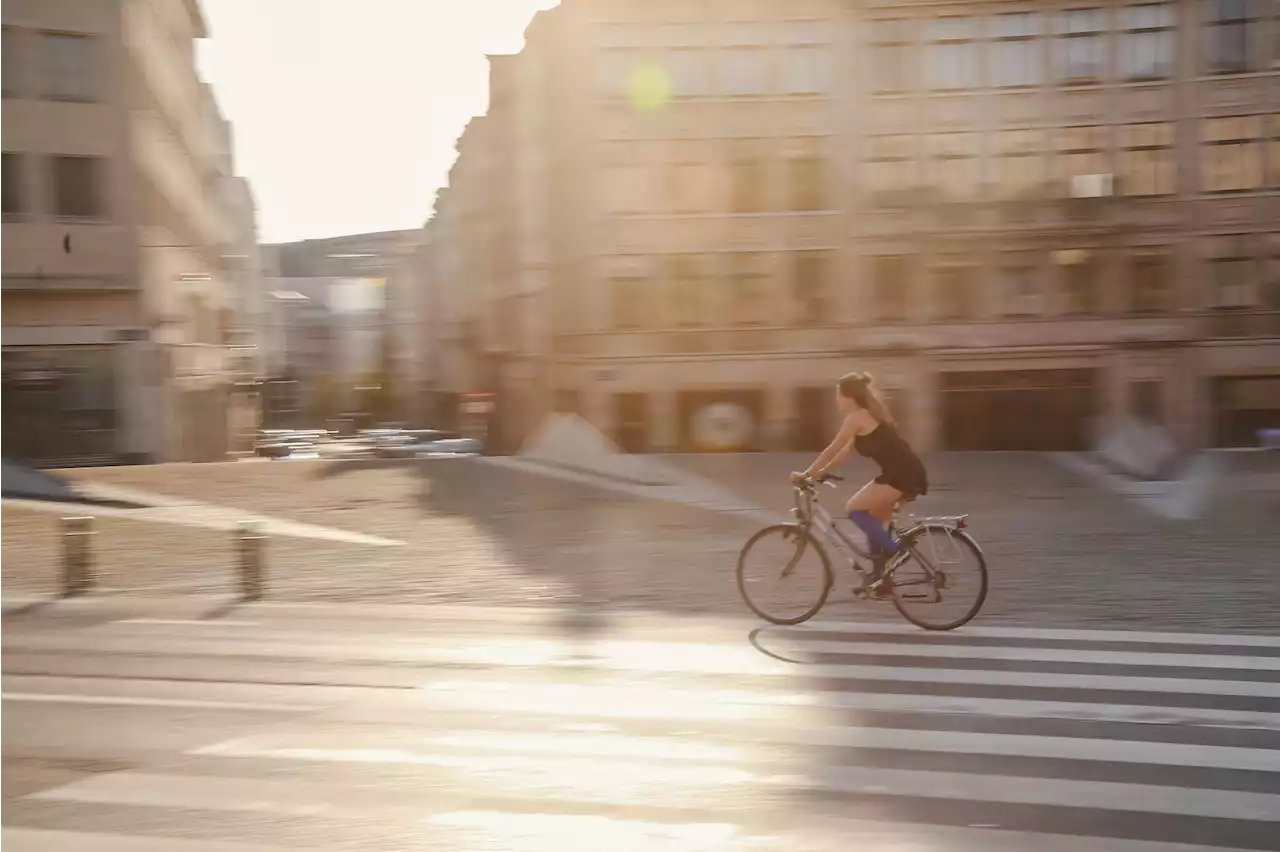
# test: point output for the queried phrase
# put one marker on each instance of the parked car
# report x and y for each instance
(396, 443)
(286, 443)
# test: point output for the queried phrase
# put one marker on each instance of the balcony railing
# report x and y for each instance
(1242, 324)
(988, 334)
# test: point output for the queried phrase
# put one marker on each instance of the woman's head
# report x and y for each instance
(857, 391)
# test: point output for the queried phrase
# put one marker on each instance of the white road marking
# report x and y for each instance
(142, 701)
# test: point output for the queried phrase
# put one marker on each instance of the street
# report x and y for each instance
(188, 725)
(495, 660)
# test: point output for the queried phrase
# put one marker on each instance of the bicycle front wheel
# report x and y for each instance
(940, 583)
(784, 575)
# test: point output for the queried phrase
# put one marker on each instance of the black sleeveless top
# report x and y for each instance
(900, 467)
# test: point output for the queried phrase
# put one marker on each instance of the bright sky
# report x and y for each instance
(346, 111)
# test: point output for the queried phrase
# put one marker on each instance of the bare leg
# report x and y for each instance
(877, 499)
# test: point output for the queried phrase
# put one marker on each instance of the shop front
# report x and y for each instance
(721, 421)
(1244, 407)
(1028, 410)
(61, 404)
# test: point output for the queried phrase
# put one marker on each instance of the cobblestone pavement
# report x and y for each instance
(1062, 550)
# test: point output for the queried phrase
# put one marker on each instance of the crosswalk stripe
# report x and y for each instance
(839, 834)
(696, 658)
(1229, 640)
(50, 840)
(1171, 687)
(142, 701)
(724, 704)
(1099, 795)
(433, 618)
(1045, 655)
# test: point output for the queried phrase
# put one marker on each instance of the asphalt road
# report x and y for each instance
(186, 725)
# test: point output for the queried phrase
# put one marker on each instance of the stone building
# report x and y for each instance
(684, 220)
(120, 289)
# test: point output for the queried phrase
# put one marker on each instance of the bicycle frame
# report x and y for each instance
(810, 513)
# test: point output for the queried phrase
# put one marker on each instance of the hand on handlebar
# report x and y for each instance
(815, 479)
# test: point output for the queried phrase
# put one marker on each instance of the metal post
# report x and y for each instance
(77, 556)
(253, 560)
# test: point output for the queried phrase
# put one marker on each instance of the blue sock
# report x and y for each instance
(877, 536)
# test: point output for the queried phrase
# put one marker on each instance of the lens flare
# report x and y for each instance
(650, 87)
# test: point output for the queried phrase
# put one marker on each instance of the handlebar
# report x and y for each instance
(828, 480)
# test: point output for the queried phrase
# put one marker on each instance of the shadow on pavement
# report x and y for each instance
(588, 551)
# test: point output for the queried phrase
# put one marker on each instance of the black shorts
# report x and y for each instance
(911, 480)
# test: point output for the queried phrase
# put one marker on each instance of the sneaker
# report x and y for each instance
(875, 584)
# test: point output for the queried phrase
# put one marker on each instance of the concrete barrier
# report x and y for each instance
(77, 556)
(252, 546)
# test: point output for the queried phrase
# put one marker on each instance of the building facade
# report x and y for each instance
(334, 323)
(1024, 218)
(119, 290)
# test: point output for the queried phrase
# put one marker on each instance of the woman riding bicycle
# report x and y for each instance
(869, 429)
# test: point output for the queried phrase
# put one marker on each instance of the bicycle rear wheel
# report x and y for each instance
(784, 575)
(941, 581)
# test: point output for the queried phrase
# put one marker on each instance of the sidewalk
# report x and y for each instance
(1062, 550)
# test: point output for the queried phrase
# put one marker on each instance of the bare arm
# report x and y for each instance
(838, 459)
(838, 450)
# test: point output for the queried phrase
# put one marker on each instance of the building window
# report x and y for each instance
(1081, 151)
(1019, 167)
(688, 284)
(1234, 287)
(1232, 26)
(15, 199)
(808, 70)
(1147, 159)
(1020, 289)
(1079, 271)
(1271, 295)
(746, 61)
(746, 72)
(1273, 142)
(954, 165)
(749, 280)
(807, 183)
(1016, 55)
(890, 167)
(1232, 153)
(1147, 44)
(78, 187)
(10, 77)
(67, 64)
(630, 189)
(956, 291)
(688, 72)
(951, 59)
(811, 273)
(615, 68)
(746, 185)
(630, 303)
(1150, 283)
(688, 187)
(1146, 401)
(1081, 46)
(889, 278)
(891, 62)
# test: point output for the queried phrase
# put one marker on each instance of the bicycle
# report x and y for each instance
(924, 542)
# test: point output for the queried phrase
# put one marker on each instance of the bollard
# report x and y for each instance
(77, 556)
(253, 560)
